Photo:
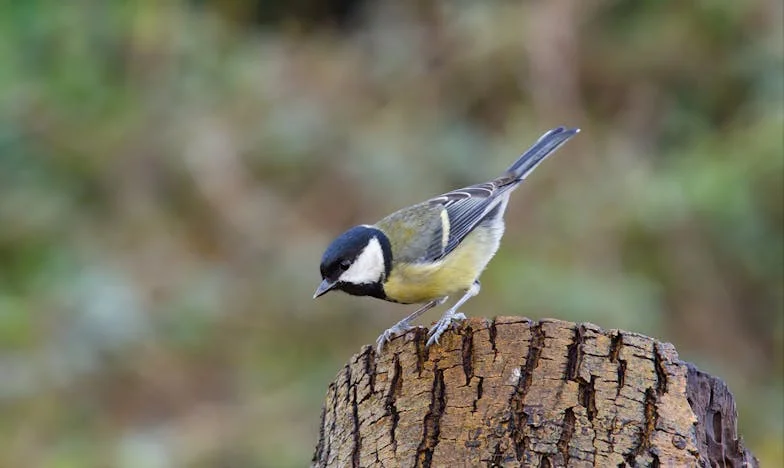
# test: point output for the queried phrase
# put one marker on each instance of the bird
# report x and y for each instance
(430, 251)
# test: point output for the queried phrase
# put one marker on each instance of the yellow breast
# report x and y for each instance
(417, 283)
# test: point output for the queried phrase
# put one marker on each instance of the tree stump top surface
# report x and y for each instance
(516, 392)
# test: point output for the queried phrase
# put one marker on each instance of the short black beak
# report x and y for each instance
(324, 288)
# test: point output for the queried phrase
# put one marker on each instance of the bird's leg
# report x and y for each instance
(405, 324)
(451, 315)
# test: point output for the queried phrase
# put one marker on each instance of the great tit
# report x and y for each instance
(432, 250)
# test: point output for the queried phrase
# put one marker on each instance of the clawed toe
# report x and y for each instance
(386, 337)
(442, 325)
(382, 340)
(435, 335)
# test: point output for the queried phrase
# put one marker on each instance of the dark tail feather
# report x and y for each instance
(538, 152)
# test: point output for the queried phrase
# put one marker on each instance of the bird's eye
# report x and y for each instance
(344, 265)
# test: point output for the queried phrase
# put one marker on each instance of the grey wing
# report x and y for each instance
(418, 232)
(467, 207)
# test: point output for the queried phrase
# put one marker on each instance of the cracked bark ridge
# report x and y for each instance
(514, 392)
(717, 434)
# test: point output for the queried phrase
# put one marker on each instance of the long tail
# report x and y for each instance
(538, 152)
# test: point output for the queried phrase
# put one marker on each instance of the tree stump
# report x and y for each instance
(514, 392)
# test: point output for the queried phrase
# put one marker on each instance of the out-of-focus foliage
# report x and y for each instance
(171, 171)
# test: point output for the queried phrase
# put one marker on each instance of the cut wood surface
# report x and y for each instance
(515, 392)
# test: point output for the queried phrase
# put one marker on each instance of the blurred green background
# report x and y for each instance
(170, 173)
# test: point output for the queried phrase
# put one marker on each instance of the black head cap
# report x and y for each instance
(342, 253)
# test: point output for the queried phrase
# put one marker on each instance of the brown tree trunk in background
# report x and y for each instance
(512, 392)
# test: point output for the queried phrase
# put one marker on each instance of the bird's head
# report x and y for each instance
(356, 262)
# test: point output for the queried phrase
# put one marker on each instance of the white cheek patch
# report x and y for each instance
(368, 267)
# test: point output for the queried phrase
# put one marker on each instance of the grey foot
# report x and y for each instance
(398, 329)
(443, 324)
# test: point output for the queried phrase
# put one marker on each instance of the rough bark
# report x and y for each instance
(513, 392)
